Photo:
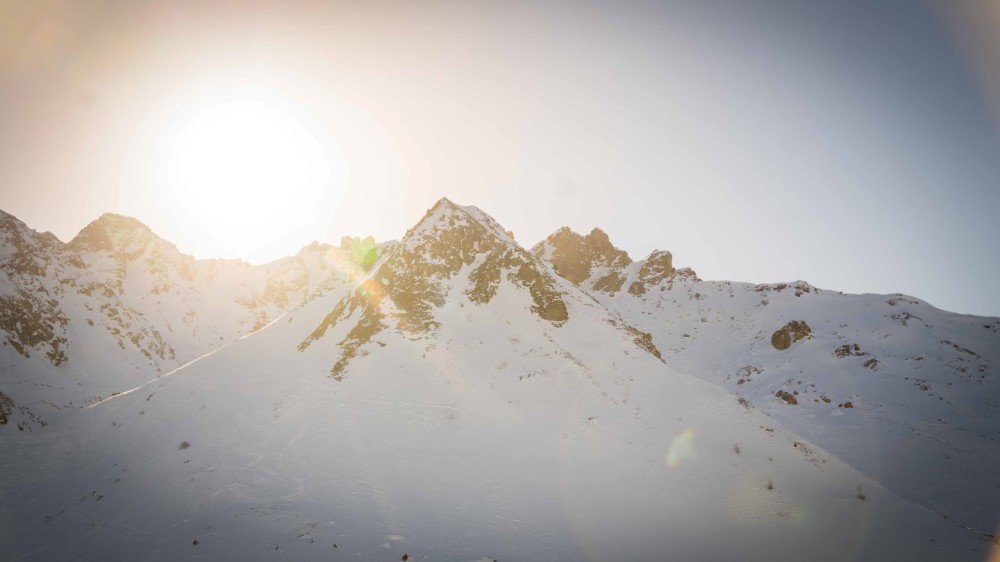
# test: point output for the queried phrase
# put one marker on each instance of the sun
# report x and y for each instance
(245, 172)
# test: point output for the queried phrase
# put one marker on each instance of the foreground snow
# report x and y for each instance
(428, 449)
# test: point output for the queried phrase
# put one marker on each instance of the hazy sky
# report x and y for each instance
(851, 144)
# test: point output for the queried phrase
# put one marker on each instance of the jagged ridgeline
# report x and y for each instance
(585, 258)
(417, 277)
(593, 263)
(118, 304)
(144, 292)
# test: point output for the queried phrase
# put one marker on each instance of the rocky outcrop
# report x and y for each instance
(790, 333)
(593, 263)
(656, 268)
(590, 261)
(6, 409)
(849, 350)
(787, 397)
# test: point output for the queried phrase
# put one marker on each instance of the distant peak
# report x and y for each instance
(314, 247)
(596, 242)
(112, 232)
(445, 203)
(659, 255)
(13, 231)
(596, 235)
(117, 223)
(9, 219)
(446, 214)
(599, 236)
(575, 257)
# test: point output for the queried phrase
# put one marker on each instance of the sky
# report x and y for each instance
(855, 145)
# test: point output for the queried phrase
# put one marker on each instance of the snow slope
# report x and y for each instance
(118, 306)
(904, 392)
(460, 402)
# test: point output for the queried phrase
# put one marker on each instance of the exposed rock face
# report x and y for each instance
(33, 323)
(642, 340)
(30, 315)
(790, 333)
(405, 289)
(849, 350)
(589, 261)
(788, 397)
(656, 268)
(6, 408)
(24, 251)
(800, 288)
(593, 263)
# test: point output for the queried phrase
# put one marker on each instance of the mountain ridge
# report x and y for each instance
(413, 277)
(888, 371)
(118, 304)
(468, 423)
(883, 382)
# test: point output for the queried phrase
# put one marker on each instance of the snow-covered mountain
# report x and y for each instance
(902, 391)
(461, 400)
(118, 305)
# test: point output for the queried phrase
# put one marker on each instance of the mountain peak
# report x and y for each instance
(657, 266)
(25, 250)
(447, 206)
(444, 201)
(446, 214)
(452, 251)
(598, 235)
(114, 233)
(578, 257)
(120, 221)
(11, 224)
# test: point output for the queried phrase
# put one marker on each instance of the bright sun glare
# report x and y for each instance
(238, 167)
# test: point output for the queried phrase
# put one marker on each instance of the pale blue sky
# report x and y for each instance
(851, 144)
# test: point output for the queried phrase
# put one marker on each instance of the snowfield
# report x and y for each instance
(906, 393)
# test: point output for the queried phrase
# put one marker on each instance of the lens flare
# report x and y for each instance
(681, 448)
